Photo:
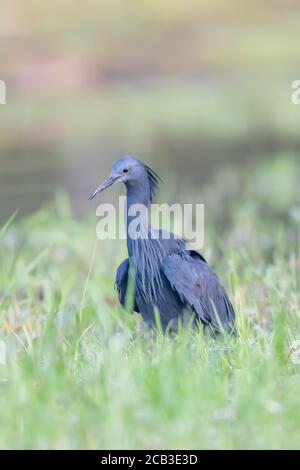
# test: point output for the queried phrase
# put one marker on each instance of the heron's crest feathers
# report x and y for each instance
(154, 181)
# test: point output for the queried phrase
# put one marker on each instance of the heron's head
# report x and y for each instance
(134, 174)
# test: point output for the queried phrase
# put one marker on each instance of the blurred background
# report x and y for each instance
(200, 90)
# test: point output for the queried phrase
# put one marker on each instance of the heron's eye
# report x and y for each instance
(125, 170)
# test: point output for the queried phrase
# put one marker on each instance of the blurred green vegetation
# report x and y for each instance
(201, 90)
(191, 86)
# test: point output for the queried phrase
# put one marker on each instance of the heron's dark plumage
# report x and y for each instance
(199, 287)
(154, 180)
(168, 274)
(122, 279)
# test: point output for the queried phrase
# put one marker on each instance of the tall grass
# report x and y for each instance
(82, 373)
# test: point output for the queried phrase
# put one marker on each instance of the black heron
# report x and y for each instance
(169, 275)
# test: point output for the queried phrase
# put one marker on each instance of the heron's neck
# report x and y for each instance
(138, 193)
(136, 215)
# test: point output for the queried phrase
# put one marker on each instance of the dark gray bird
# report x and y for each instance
(168, 275)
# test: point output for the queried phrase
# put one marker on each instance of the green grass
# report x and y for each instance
(82, 373)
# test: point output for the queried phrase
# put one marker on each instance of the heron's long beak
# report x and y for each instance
(106, 184)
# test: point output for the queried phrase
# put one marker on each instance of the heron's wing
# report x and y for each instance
(122, 283)
(199, 288)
